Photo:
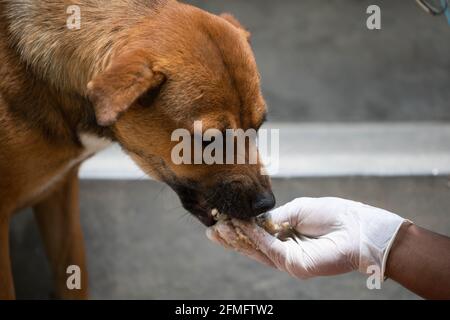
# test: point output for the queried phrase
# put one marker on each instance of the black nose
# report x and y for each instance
(263, 203)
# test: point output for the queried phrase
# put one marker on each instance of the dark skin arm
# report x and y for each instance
(420, 261)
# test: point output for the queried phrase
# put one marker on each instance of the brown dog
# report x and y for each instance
(134, 72)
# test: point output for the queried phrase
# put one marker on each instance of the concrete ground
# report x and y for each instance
(141, 245)
(319, 62)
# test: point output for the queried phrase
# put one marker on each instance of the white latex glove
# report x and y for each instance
(335, 236)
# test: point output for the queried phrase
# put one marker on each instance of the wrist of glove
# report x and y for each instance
(332, 236)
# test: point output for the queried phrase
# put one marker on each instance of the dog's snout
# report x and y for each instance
(263, 202)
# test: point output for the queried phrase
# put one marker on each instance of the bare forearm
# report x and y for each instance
(420, 261)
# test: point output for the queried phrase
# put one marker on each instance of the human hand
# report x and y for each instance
(334, 236)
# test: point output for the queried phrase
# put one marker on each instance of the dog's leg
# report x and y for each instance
(6, 279)
(59, 223)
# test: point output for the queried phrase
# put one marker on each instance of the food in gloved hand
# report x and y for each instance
(230, 235)
(264, 222)
(240, 240)
(219, 216)
(281, 231)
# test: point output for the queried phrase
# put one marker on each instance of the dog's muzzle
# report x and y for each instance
(231, 199)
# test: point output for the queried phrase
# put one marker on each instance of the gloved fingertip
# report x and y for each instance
(215, 237)
(292, 212)
(211, 234)
(255, 233)
(281, 214)
(246, 227)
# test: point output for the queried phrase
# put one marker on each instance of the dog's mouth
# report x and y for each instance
(206, 217)
(206, 204)
(200, 210)
(211, 217)
(194, 201)
(217, 216)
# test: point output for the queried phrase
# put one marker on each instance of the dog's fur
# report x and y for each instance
(133, 73)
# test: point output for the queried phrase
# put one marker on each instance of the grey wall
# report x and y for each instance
(320, 63)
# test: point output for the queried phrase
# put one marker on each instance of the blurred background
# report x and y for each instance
(363, 115)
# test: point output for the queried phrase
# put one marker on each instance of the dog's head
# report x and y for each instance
(186, 65)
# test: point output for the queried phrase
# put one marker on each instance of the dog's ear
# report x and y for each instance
(117, 88)
(231, 19)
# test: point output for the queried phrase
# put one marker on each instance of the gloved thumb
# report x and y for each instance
(292, 212)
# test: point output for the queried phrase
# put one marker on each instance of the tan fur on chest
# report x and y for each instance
(32, 167)
(91, 145)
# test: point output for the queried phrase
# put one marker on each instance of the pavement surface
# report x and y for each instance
(142, 245)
